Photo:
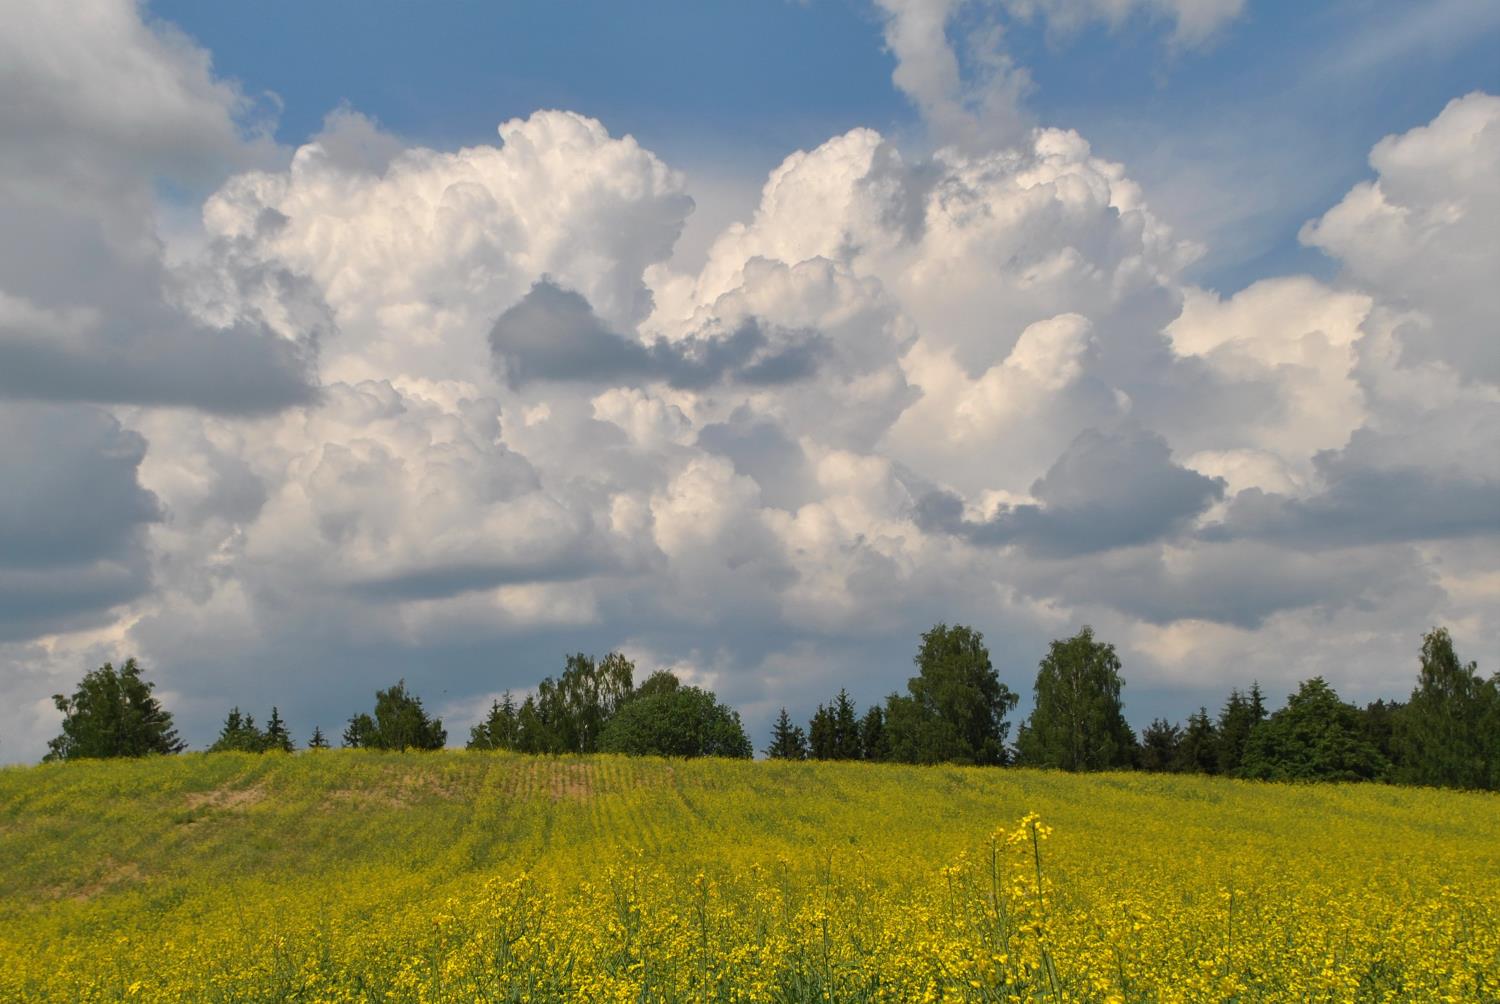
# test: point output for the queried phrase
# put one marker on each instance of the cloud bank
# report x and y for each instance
(447, 414)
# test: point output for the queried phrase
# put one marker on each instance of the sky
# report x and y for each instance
(342, 343)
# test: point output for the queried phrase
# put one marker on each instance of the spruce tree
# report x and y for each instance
(873, 741)
(1159, 746)
(846, 739)
(1316, 737)
(1237, 719)
(1198, 752)
(501, 728)
(360, 732)
(276, 735)
(788, 742)
(822, 734)
(318, 740)
(239, 733)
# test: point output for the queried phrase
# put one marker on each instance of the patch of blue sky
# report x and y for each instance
(1237, 143)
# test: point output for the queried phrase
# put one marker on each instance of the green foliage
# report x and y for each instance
(112, 714)
(788, 742)
(277, 735)
(501, 729)
(400, 723)
(318, 740)
(1237, 719)
(1446, 734)
(660, 682)
(1316, 737)
(684, 721)
(955, 707)
(834, 733)
(1381, 720)
(360, 732)
(568, 714)
(873, 740)
(1078, 722)
(1198, 751)
(239, 733)
(1159, 746)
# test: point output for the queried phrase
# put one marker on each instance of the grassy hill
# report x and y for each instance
(459, 876)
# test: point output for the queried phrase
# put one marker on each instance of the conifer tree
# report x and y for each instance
(873, 741)
(846, 739)
(788, 742)
(1159, 746)
(501, 728)
(360, 732)
(822, 732)
(1198, 751)
(240, 733)
(1237, 719)
(318, 740)
(276, 735)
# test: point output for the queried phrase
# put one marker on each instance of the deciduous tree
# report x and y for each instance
(113, 714)
(1316, 737)
(1078, 722)
(955, 707)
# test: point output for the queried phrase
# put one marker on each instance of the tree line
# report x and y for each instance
(954, 710)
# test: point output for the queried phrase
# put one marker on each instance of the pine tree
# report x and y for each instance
(821, 734)
(1159, 746)
(318, 740)
(846, 739)
(501, 729)
(1198, 752)
(1236, 720)
(788, 742)
(239, 733)
(276, 735)
(360, 732)
(873, 741)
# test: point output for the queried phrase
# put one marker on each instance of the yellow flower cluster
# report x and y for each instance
(348, 877)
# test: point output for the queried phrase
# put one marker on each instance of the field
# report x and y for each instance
(348, 876)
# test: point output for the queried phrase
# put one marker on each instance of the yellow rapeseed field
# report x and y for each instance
(354, 876)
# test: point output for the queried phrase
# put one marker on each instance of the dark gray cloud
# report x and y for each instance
(454, 578)
(83, 319)
(1107, 490)
(1240, 583)
(553, 334)
(1378, 489)
(72, 517)
(241, 370)
(761, 450)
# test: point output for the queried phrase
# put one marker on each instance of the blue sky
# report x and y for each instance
(1215, 373)
(1237, 143)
